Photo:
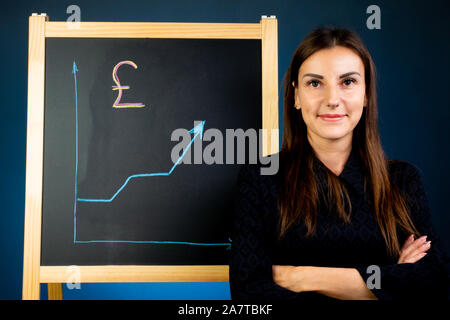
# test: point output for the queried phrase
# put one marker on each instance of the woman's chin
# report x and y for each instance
(334, 135)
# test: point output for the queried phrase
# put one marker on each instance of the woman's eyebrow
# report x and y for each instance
(348, 74)
(315, 75)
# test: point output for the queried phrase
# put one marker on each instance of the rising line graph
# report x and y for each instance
(197, 131)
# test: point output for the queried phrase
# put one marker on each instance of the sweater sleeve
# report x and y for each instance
(426, 278)
(250, 270)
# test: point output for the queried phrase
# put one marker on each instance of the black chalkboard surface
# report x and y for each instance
(94, 142)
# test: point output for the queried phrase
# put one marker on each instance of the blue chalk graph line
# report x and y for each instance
(197, 130)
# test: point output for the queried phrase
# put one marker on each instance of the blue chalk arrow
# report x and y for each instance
(197, 130)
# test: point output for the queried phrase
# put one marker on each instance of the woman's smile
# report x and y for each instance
(332, 117)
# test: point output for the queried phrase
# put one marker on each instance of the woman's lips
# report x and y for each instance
(332, 117)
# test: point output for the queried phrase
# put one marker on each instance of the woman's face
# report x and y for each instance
(331, 93)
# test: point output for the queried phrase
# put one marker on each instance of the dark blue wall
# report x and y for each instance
(410, 51)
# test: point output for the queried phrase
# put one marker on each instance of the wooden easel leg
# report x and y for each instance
(34, 159)
(55, 291)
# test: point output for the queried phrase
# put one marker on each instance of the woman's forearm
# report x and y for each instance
(338, 283)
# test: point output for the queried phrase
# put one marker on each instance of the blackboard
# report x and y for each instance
(91, 148)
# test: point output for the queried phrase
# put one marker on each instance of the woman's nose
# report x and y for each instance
(332, 97)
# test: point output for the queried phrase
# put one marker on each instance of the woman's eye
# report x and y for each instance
(348, 82)
(313, 83)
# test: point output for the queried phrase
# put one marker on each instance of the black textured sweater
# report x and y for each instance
(255, 247)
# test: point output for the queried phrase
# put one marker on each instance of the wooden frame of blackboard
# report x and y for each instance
(41, 28)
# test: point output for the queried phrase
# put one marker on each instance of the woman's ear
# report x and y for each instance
(296, 102)
(365, 101)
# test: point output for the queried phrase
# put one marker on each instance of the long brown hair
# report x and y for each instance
(299, 189)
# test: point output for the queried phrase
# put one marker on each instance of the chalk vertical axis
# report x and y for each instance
(74, 71)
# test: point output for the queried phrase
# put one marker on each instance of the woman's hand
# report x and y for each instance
(289, 277)
(414, 250)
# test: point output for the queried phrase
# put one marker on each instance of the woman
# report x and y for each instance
(338, 220)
